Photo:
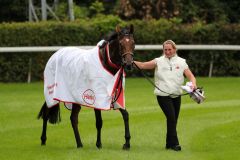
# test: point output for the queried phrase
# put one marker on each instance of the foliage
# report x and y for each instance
(80, 12)
(61, 11)
(14, 66)
(96, 8)
(13, 11)
(207, 11)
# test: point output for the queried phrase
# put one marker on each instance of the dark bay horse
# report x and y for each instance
(115, 52)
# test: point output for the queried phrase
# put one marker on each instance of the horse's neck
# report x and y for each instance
(114, 53)
(110, 63)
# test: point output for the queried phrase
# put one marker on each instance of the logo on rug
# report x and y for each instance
(89, 97)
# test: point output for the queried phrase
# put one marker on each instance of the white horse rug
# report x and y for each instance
(74, 75)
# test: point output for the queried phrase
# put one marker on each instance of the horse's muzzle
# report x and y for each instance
(128, 66)
(128, 61)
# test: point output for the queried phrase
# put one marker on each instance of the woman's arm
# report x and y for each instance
(190, 77)
(146, 65)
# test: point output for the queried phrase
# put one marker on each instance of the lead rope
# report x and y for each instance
(149, 80)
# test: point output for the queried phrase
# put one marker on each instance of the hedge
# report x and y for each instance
(14, 66)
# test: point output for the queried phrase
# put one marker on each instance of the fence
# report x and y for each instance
(138, 47)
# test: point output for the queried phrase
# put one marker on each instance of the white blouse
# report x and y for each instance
(169, 75)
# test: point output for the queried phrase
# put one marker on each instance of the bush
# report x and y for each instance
(14, 66)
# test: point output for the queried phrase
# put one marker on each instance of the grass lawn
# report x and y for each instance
(209, 131)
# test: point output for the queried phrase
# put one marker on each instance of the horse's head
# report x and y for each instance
(126, 45)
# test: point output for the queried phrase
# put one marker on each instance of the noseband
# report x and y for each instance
(123, 57)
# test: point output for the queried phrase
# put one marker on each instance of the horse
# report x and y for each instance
(115, 55)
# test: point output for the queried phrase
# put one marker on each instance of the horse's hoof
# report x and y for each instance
(126, 147)
(43, 144)
(99, 145)
(80, 146)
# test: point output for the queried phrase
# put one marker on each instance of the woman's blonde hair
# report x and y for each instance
(170, 42)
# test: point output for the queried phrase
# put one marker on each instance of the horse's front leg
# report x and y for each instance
(98, 117)
(125, 116)
(74, 120)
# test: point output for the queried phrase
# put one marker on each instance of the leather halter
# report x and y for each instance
(123, 55)
(123, 61)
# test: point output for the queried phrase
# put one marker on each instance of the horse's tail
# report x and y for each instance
(52, 114)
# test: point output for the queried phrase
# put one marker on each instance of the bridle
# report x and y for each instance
(124, 54)
(123, 57)
(123, 63)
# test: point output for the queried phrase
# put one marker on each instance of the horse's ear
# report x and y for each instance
(131, 29)
(118, 29)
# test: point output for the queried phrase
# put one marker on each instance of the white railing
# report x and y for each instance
(138, 47)
(36, 49)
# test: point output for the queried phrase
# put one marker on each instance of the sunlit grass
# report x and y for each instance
(207, 131)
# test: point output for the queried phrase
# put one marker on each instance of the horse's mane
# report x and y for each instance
(113, 35)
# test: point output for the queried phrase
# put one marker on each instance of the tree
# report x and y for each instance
(208, 11)
(148, 9)
(14, 10)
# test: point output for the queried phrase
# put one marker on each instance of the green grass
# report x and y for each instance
(209, 131)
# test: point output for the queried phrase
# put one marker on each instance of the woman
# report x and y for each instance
(169, 76)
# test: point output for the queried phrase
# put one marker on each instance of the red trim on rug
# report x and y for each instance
(100, 59)
(56, 99)
(120, 100)
(109, 60)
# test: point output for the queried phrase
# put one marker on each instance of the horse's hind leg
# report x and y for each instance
(51, 115)
(74, 121)
(44, 132)
(98, 117)
(125, 116)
